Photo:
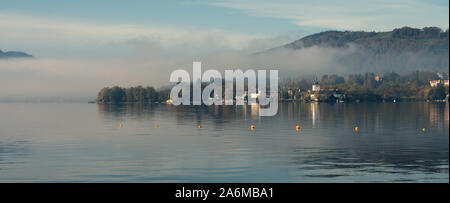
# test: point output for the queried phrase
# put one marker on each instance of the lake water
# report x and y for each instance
(162, 143)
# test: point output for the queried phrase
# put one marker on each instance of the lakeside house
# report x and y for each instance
(318, 94)
(255, 95)
(316, 87)
(435, 83)
(315, 91)
(378, 78)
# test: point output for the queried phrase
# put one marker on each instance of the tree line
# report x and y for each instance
(137, 94)
(372, 87)
(364, 87)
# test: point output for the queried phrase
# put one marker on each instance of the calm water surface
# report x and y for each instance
(161, 143)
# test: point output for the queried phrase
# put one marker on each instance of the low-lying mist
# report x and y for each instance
(149, 64)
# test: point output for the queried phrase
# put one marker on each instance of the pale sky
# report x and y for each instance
(61, 28)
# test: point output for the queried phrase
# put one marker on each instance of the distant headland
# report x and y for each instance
(14, 54)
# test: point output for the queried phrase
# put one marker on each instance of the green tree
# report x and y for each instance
(437, 93)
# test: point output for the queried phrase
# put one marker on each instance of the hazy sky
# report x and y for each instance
(50, 28)
(84, 45)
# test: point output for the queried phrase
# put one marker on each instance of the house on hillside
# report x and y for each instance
(435, 83)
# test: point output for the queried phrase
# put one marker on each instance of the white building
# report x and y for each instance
(315, 87)
(255, 95)
(435, 83)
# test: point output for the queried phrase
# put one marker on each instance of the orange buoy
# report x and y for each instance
(356, 128)
(252, 127)
(121, 125)
(156, 126)
(297, 128)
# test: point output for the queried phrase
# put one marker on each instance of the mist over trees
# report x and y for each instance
(401, 50)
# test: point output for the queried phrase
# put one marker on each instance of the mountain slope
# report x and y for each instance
(402, 39)
(401, 49)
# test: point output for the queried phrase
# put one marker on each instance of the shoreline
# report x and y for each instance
(296, 101)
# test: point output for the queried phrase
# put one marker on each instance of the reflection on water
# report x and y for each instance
(162, 143)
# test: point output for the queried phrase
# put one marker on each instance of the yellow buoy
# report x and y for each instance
(356, 128)
(252, 127)
(121, 125)
(199, 126)
(424, 129)
(297, 127)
